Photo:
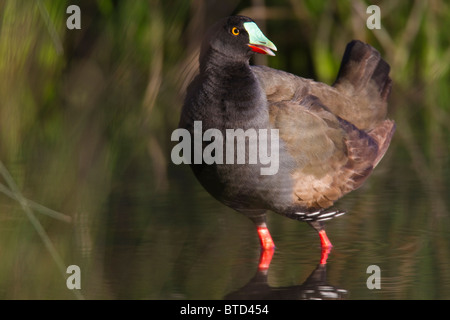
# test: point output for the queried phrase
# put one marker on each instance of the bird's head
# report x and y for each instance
(237, 37)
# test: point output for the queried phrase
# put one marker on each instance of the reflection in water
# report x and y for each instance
(185, 245)
(315, 287)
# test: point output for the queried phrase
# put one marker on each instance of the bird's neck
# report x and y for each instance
(219, 65)
(235, 98)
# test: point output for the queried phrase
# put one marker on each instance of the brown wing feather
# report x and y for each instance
(383, 134)
(333, 156)
(336, 134)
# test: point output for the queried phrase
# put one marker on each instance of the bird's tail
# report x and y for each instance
(364, 76)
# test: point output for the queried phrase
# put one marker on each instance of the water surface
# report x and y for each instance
(180, 243)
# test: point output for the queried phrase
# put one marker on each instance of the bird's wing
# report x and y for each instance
(335, 135)
(332, 156)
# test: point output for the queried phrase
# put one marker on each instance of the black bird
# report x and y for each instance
(330, 138)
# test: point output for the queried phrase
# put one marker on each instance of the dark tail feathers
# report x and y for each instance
(362, 65)
(364, 78)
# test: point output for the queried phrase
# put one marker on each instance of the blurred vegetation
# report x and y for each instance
(83, 112)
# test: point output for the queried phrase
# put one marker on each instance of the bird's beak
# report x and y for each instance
(258, 41)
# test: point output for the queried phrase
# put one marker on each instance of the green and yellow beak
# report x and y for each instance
(258, 41)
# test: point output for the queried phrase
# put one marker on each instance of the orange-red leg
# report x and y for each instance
(265, 238)
(324, 241)
(267, 246)
(326, 246)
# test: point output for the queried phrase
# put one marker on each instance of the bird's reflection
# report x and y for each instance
(315, 287)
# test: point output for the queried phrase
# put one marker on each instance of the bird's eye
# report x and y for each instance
(235, 31)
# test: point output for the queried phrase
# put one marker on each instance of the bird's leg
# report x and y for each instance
(324, 241)
(263, 232)
(320, 228)
(265, 237)
(267, 244)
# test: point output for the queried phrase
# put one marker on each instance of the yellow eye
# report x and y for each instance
(235, 31)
